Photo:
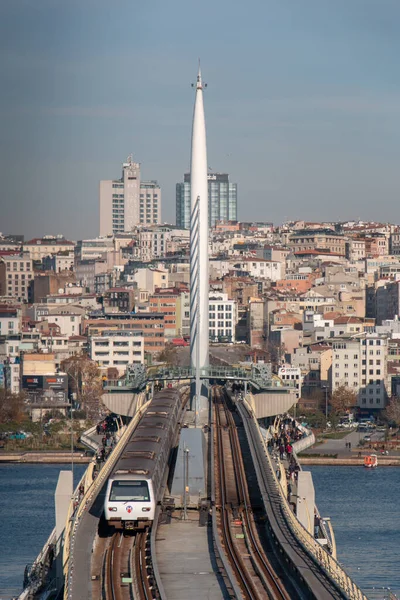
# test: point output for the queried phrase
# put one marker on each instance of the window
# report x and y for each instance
(129, 491)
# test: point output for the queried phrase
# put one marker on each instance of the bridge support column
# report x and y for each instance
(63, 499)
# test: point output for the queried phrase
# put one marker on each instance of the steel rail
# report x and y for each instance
(333, 579)
(267, 574)
(272, 586)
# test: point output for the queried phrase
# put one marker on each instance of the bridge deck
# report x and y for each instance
(184, 557)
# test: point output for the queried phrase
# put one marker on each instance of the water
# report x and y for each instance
(365, 511)
(27, 517)
(362, 503)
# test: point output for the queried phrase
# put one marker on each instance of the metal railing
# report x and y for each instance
(325, 561)
(212, 372)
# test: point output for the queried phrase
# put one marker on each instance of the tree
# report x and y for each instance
(392, 411)
(12, 406)
(84, 380)
(343, 399)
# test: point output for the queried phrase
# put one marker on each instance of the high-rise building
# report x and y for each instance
(128, 202)
(222, 200)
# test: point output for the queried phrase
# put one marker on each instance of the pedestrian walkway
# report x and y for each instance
(341, 447)
(186, 565)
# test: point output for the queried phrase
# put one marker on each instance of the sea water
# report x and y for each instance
(27, 517)
(363, 505)
(364, 508)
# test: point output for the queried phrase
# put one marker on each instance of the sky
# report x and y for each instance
(302, 105)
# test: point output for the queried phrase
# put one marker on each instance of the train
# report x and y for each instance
(134, 486)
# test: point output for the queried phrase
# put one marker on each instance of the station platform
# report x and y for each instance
(185, 560)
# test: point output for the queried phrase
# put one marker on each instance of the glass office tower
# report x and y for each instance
(222, 200)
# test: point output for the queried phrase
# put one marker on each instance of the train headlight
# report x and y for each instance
(113, 508)
(146, 509)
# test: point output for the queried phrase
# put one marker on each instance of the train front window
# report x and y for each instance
(129, 491)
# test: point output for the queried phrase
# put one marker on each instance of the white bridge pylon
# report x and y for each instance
(199, 268)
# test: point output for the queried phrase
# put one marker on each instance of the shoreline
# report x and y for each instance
(383, 461)
(65, 457)
(44, 457)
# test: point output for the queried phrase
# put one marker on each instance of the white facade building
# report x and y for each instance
(68, 320)
(291, 376)
(259, 268)
(360, 364)
(117, 349)
(127, 202)
(222, 318)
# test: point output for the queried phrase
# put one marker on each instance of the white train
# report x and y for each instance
(134, 486)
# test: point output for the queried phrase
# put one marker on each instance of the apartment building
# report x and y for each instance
(151, 325)
(174, 304)
(129, 201)
(10, 320)
(258, 268)
(360, 364)
(49, 245)
(317, 239)
(222, 318)
(117, 349)
(16, 273)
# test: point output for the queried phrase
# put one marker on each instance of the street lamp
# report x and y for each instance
(325, 387)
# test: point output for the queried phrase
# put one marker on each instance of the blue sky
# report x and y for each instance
(302, 105)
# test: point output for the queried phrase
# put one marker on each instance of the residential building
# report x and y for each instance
(48, 283)
(16, 273)
(222, 200)
(222, 318)
(39, 248)
(258, 268)
(318, 239)
(169, 303)
(359, 363)
(119, 299)
(10, 319)
(62, 261)
(129, 201)
(117, 349)
(151, 324)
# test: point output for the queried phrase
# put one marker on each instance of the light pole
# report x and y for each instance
(325, 387)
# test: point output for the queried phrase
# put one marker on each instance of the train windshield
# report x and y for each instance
(129, 491)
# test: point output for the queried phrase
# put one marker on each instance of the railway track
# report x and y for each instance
(253, 570)
(126, 572)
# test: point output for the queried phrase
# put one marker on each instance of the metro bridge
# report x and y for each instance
(268, 395)
(176, 556)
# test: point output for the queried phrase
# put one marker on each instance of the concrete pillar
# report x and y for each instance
(62, 497)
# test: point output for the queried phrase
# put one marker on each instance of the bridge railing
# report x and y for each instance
(74, 520)
(137, 380)
(325, 561)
